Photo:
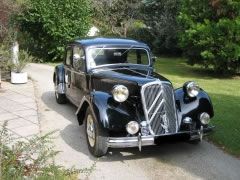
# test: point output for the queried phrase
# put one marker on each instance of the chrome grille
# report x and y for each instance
(159, 108)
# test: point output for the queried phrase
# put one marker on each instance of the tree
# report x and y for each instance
(160, 17)
(48, 25)
(115, 17)
(210, 33)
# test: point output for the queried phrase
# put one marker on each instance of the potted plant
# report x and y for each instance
(18, 76)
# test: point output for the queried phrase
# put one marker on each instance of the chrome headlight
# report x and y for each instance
(120, 93)
(204, 118)
(132, 127)
(192, 89)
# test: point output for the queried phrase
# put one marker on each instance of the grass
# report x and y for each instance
(224, 92)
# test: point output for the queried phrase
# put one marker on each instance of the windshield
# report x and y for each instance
(114, 56)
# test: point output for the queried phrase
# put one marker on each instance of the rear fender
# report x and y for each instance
(59, 79)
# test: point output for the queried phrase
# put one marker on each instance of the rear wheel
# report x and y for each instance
(96, 138)
(60, 98)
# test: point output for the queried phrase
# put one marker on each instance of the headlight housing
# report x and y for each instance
(120, 93)
(204, 118)
(192, 88)
(132, 127)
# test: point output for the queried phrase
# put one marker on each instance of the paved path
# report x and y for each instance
(18, 107)
(169, 161)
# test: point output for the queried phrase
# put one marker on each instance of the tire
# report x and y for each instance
(98, 144)
(60, 98)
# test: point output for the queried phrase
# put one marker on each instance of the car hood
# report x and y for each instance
(105, 79)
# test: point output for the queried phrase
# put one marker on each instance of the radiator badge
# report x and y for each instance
(164, 123)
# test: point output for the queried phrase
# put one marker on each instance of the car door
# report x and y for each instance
(68, 69)
(79, 83)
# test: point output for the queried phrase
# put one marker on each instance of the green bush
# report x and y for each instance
(160, 18)
(5, 56)
(49, 25)
(30, 159)
(210, 33)
(23, 59)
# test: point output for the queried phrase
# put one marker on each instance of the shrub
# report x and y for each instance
(48, 25)
(32, 159)
(211, 33)
(160, 17)
(23, 59)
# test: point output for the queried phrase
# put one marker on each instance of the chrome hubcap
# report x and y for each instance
(90, 130)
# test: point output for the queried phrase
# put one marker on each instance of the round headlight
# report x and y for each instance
(132, 127)
(192, 89)
(120, 93)
(205, 118)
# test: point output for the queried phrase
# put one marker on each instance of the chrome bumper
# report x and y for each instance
(130, 141)
(139, 141)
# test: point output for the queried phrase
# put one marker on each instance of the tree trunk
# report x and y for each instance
(15, 50)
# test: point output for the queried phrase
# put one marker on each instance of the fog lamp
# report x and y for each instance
(187, 120)
(204, 118)
(132, 127)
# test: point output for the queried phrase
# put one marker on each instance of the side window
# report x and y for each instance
(68, 57)
(78, 59)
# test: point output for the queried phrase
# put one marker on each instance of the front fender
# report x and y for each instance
(112, 115)
(192, 107)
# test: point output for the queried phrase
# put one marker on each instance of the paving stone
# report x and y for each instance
(18, 107)
(33, 119)
(7, 116)
(27, 130)
(24, 113)
(31, 105)
(2, 111)
(19, 122)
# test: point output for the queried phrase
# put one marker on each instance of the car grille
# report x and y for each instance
(159, 108)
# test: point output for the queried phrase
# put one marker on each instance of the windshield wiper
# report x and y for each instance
(127, 50)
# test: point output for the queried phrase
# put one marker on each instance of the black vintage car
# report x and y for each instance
(121, 100)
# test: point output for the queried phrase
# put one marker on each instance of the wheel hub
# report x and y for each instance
(90, 130)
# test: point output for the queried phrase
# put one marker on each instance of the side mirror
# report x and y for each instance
(154, 58)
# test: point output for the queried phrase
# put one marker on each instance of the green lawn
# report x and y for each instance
(225, 95)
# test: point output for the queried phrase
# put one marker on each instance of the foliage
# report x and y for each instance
(31, 159)
(211, 33)
(160, 17)
(7, 8)
(115, 17)
(224, 93)
(49, 25)
(5, 56)
(23, 59)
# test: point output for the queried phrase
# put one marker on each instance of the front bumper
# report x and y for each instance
(139, 141)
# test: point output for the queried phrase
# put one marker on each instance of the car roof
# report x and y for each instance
(110, 41)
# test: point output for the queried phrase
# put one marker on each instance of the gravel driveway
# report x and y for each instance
(168, 161)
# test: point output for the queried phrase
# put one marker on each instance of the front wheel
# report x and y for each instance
(96, 138)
